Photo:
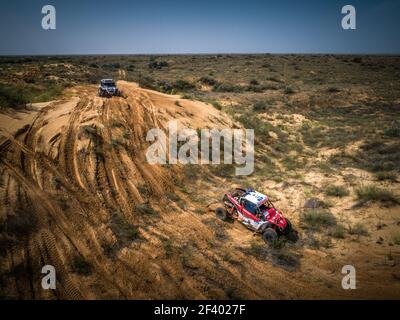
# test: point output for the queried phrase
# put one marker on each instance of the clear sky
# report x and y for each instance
(203, 26)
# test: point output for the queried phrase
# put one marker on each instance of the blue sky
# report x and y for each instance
(177, 26)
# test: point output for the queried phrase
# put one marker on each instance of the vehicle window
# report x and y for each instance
(250, 207)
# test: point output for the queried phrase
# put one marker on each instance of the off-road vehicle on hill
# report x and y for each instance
(108, 88)
(256, 211)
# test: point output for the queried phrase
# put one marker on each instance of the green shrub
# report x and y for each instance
(286, 257)
(336, 191)
(256, 249)
(262, 128)
(291, 163)
(393, 131)
(164, 86)
(273, 79)
(153, 64)
(19, 225)
(358, 229)
(381, 166)
(253, 88)
(216, 105)
(338, 232)
(183, 85)
(396, 239)
(381, 176)
(81, 266)
(227, 87)
(208, 81)
(187, 96)
(372, 145)
(333, 90)
(260, 106)
(12, 97)
(317, 218)
(124, 231)
(115, 143)
(47, 93)
(147, 82)
(126, 134)
(115, 65)
(289, 90)
(372, 193)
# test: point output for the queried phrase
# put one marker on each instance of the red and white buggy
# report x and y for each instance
(256, 211)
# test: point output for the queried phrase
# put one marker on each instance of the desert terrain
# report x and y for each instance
(77, 192)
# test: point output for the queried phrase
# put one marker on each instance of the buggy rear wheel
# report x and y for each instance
(269, 235)
(221, 213)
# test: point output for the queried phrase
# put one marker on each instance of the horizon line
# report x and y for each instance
(198, 54)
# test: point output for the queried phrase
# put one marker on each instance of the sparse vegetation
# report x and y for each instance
(396, 239)
(386, 176)
(336, 191)
(393, 131)
(208, 81)
(338, 232)
(358, 229)
(16, 228)
(216, 105)
(317, 218)
(145, 209)
(12, 97)
(257, 249)
(81, 266)
(153, 64)
(286, 257)
(289, 90)
(227, 87)
(333, 90)
(183, 85)
(254, 82)
(260, 106)
(124, 231)
(16, 96)
(373, 193)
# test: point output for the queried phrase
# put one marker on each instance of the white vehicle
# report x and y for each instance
(108, 88)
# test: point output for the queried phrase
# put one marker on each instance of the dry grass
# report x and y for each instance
(317, 219)
(336, 191)
(376, 194)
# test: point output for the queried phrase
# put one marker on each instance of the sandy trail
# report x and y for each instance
(77, 172)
